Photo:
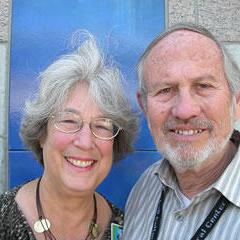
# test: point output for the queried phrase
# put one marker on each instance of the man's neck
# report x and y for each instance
(191, 182)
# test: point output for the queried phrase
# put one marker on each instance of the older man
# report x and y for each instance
(189, 92)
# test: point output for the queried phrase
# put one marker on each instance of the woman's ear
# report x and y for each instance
(42, 140)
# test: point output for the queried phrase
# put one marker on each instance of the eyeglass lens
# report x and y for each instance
(69, 122)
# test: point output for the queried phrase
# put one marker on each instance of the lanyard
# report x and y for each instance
(206, 226)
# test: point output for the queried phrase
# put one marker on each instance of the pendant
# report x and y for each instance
(41, 225)
(95, 230)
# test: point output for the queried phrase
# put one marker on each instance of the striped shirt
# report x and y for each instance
(180, 222)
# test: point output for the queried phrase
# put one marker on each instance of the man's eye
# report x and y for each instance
(204, 85)
(164, 90)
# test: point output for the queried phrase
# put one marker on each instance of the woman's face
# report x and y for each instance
(76, 161)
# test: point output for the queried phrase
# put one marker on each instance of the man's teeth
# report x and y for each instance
(79, 163)
(188, 132)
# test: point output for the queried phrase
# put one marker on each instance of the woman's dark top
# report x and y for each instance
(14, 226)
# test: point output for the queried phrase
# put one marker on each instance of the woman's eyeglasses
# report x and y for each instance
(70, 122)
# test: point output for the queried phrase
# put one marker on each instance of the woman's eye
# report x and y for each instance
(68, 121)
(104, 127)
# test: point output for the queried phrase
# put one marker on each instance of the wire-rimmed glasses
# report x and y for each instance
(70, 122)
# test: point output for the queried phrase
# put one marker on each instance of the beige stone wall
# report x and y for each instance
(5, 22)
(220, 16)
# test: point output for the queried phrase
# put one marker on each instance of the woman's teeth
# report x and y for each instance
(80, 163)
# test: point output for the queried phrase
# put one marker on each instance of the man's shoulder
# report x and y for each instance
(143, 195)
(151, 171)
(148, 179)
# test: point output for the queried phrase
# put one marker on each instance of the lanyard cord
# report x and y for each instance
(212, 218)
(206, 227)
(157, 219)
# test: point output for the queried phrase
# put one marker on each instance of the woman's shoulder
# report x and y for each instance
(116, 222)
(8, 209)
(117, 213)
(13, 224)
(7, 199)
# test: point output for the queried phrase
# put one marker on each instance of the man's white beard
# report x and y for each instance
(186, 157)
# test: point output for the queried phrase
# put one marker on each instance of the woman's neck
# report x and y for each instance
(70, 215)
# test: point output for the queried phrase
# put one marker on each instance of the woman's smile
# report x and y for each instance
(81, 163)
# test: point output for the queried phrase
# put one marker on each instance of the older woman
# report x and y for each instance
(77, 124)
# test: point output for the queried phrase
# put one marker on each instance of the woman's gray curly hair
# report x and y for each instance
(85, 65)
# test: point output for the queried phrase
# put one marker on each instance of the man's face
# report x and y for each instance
(189, 106)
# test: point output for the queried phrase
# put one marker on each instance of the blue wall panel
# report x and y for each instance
(41, 31)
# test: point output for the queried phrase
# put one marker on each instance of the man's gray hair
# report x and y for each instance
(231, 69)
(85, 65)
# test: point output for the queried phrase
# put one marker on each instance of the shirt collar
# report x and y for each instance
(228, 183)
(166, 174)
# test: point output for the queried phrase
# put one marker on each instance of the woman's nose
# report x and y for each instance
(84, 138)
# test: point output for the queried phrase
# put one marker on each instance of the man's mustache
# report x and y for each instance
(194, 123)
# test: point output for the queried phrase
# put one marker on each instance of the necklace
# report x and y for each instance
(42, 225)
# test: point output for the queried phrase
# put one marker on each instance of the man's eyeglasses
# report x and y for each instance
(69, 122)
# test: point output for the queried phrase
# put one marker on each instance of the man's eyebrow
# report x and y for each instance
(165, 82)
(204, 77)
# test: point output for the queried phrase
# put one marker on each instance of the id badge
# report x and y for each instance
(116, 231)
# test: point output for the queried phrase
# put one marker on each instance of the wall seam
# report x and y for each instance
(5, 22)
(166, 13)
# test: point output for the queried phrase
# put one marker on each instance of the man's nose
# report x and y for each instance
(186, 106)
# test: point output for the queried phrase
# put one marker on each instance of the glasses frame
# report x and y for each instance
(89, 125)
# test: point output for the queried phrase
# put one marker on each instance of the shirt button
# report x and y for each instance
(179, 217)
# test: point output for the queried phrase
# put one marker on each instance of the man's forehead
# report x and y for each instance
(183, 43)
(186, 34)
(183, 39)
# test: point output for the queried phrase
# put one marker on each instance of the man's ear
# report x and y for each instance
(140, 101)
(237, 113)
(237, 106)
